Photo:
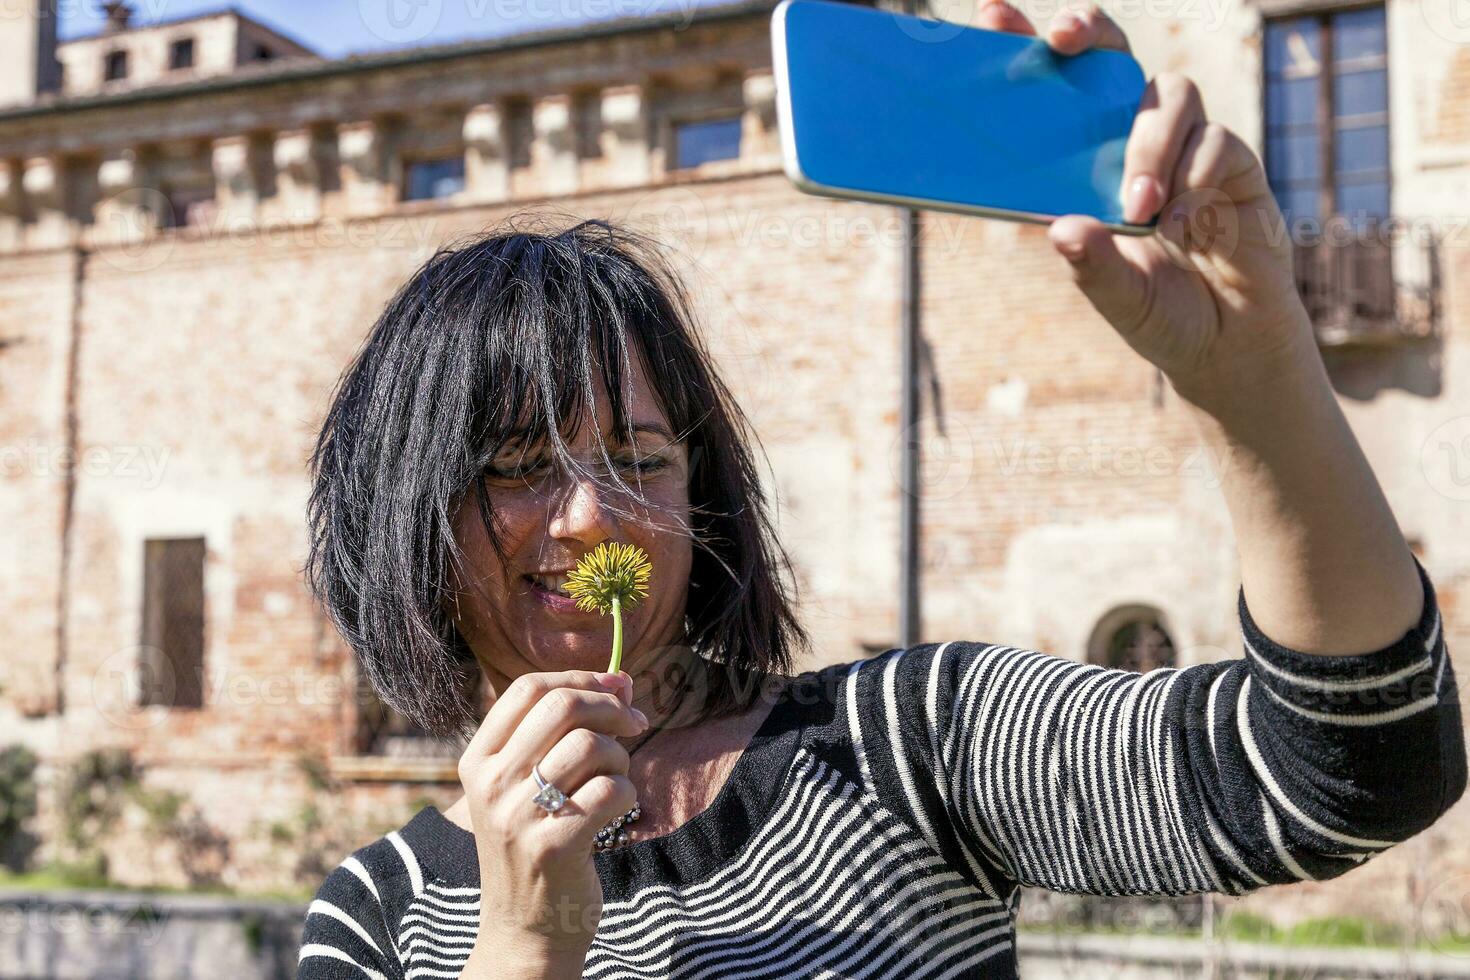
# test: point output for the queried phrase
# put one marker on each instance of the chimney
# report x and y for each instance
(28, 65)
(119, 16)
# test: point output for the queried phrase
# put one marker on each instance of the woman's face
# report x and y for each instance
(549, 520)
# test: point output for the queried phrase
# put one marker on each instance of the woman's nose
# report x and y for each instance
(579, 512)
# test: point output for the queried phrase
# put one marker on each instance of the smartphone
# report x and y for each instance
(874, 105)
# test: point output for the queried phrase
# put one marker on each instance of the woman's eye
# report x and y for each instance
(646, 464)
(517, 471)
(536, 470)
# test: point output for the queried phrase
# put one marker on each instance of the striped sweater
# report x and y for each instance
(886, 812)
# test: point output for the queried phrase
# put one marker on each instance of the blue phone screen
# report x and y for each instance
(890, 107)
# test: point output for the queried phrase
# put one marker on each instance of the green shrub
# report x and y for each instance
(17, 807)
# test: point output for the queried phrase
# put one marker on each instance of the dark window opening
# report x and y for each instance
(426, 180)
(181, 54)
(262, 52)
(381, 731)
(1132, 638)
(187, 207)
(115, 66)
(705, 140)
(172, 658)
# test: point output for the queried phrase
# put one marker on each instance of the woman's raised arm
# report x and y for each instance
(1339, 733)
(1211, 301)
(1280, 766)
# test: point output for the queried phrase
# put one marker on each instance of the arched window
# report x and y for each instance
(1132, 638)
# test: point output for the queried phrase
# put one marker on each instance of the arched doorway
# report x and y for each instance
(1134, 637)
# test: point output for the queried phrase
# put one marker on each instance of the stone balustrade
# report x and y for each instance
(569, 142)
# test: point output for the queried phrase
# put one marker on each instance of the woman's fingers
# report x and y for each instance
(1169, 111)
(997, 15)
(1075, 31)
(591, 768)
(1116, 286)
(579, 755)
(523, 693)
(602, 798)
(559, 712)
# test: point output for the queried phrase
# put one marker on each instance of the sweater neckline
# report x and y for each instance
(688, 854)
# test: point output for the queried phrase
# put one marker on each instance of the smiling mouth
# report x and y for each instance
(555, 584)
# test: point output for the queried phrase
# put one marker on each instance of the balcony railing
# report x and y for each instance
(1367, 289)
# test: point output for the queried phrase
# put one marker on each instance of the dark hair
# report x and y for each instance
(497, 339)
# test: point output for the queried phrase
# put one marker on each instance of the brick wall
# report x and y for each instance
(1065, 482)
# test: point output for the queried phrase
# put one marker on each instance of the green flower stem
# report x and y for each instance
(616, 663)
(609, 577)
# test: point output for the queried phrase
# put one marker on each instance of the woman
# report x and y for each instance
(527, 397)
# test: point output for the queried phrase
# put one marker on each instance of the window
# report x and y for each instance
(705, 140)
(262, 52)
(430, 179)
(1131, 638)
(181, 54)
(188, 207)
(381, 731)
(1327, 149)
(172, 660)
(115, 66)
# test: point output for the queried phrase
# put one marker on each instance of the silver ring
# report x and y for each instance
(547, 797)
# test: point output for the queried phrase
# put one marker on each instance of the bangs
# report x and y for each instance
(499, 342)
(561, 323)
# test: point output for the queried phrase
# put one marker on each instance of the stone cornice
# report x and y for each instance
(289, 71)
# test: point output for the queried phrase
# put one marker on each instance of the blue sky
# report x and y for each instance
(337, 27)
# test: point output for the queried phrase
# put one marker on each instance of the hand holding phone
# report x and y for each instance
(1200, 282)
(880, 106)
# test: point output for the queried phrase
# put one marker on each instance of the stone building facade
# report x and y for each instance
(187, 264)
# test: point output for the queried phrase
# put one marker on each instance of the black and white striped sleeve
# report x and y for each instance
(1279, 766)
(346, 935)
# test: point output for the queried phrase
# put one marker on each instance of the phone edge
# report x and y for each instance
(791, 161)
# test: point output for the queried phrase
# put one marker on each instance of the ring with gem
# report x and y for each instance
(547, 797)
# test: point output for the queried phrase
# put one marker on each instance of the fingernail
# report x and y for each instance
(613, 682)
(1140, 202)
(641, 717)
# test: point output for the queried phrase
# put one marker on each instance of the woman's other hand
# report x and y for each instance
(540, 897)
(1208, 298)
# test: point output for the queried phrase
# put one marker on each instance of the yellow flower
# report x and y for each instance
(613, 575)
